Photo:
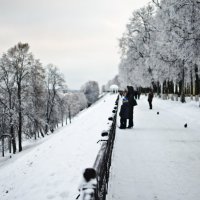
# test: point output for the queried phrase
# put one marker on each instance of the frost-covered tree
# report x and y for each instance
(91, 91)
(62, 106)
(82, 100)
(54, 82)
(35, 112)
(179, 22)
(114, 81)
(29, 100)
(135, 48)
(8, 99)
(19, 59)
(75, 102)
(161, 45)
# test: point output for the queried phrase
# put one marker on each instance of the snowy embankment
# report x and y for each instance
(53, 169)
(158, 159)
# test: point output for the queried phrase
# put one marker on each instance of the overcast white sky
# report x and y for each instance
(79, 36)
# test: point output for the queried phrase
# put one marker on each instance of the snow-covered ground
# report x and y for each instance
(158, 159)
(52, 169)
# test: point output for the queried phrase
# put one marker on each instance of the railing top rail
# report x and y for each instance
(103, 160)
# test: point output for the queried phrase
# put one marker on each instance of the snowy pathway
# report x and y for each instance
(52, 169)
(158, 159)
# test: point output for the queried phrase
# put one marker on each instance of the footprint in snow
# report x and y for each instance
(50, 197)
(64, 195)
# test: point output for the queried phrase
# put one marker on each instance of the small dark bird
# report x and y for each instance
(157, 113)
(185, 125)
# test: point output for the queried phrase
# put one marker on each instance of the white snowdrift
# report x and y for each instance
(158, 159)
(53, 169)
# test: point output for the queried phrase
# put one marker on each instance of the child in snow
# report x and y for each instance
(124, 113)
(88, 185)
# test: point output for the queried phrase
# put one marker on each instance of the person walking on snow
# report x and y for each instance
(150, 98)
(124, 113)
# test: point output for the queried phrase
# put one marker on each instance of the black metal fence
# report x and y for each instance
(103, 160)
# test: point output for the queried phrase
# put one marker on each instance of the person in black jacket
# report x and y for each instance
(124, 113)
(150, 98)
(131, 103)
(88, 185)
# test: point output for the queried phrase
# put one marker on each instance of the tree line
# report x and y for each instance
(32, 101)
(160, 48)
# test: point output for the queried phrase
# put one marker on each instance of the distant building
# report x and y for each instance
(114, 88)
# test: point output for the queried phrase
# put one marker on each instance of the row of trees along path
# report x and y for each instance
(160, 47)
(28, 95)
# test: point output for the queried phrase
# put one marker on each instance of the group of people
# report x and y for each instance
(127, 107)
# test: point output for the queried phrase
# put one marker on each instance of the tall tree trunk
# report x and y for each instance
(20, 118)
(46, 128)
(41, 132)
(197, 85)
(47, 120)
(62, 118)
(176, 88)
(35, 129)
(13, 138)
(191, 83)
(183, 83)
(158, 88)
(70, 116)
(171, 87)
(161, 88)
(20, 131)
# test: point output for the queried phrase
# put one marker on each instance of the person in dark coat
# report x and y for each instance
(124, 113)
(150, 98)
(135, 94)
(131, 102)
(88, 185)
(139, 93)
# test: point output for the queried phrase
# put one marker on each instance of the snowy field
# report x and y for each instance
(158, 159)
(52, 167)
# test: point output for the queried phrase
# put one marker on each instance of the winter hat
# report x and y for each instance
(89, 174)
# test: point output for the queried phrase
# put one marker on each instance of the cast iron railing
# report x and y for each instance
(103, 160)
